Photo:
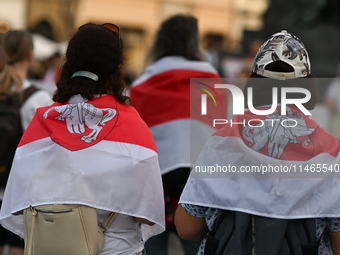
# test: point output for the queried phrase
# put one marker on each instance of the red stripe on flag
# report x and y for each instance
(130, 128)
(299, 143)
(125, 127)
(35, 131)
(166, 97)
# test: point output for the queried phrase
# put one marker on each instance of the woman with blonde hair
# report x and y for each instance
(17, 49)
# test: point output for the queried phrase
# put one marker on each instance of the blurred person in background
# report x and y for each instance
(17, 50)
(212, 48)
(332, 100)
(161, 95)
(2, 59)
(51, 74)
(249, 59)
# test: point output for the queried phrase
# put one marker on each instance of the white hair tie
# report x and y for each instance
(86, 74)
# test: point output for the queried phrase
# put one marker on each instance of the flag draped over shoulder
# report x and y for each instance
(98, 153)
(162, 97)
(274, 166)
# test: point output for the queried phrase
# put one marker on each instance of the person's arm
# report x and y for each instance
(331, 104)
(334, 238)
(333, 228)
(188, 226)
(18, 213)
(331, 95)
(144, 221)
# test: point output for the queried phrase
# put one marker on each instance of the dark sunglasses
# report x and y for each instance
(114, 28)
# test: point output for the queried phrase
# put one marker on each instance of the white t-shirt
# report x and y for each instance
(123, 237)
(38, 99)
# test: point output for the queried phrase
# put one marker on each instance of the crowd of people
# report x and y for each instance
(90, 144)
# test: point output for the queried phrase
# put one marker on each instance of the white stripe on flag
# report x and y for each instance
(285, 198)
(179, 142)
(173, 62)
(44, 173)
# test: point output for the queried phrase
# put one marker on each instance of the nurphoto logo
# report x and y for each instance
(238, 105)
(238, 100)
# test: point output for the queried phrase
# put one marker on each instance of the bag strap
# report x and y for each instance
(29, 91)
(305, 227)
(212, 242)
(34, 214)
(311, 248)
(18, 99)
(107, 222)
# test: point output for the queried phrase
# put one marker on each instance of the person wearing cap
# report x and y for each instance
(263, 206)
(90, 148)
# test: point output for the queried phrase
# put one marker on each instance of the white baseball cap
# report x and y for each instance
(284, 47)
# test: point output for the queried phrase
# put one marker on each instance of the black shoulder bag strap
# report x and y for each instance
(18, 99)
(212, 242)
(311, 248)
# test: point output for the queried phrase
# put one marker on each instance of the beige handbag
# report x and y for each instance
(61, 229)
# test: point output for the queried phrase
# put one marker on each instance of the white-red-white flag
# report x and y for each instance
(274, 166)
(98, 153)
(162, 97)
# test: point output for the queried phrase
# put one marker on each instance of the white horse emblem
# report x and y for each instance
(277, 136)
(78, 115)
